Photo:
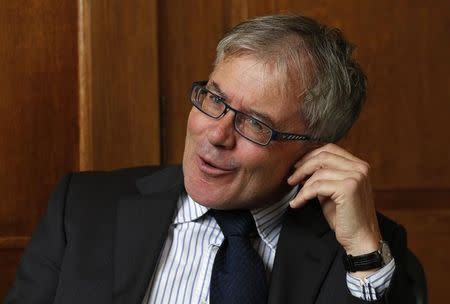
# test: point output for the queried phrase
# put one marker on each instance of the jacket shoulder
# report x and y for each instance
(120, 182)
(92, 196)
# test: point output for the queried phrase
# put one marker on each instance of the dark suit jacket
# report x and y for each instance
(100, 240)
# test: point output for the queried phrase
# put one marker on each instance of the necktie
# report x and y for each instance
(238, 274)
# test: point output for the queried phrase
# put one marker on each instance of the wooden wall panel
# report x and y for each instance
(120, 60)
(38, 115)
(78, 90)
(189, 32)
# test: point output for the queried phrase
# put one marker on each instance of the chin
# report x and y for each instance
(206, 192)
(211, 196)
(199, 191)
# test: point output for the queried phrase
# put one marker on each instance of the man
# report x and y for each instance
(263, 209)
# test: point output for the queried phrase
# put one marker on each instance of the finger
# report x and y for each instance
(330, 148)
(318, 188)
(325, 160)
(332, 174)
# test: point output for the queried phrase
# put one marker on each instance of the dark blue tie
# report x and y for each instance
(238, 274)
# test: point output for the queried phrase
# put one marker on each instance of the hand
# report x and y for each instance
(341, 183)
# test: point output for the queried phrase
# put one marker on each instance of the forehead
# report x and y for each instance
(257, 87)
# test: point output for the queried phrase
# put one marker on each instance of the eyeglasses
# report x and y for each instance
(249, 127)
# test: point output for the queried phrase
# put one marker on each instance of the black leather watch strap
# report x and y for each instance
(363, 262)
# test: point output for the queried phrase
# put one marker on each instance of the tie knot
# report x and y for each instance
(238, 223)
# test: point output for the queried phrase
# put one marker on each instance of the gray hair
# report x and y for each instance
(314, 57)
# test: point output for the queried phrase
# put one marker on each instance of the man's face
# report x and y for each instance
(222, 169)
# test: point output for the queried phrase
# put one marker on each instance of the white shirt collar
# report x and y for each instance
(267, 219)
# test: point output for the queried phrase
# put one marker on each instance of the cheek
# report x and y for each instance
(193, 128)
(189, 140)
(197, 121)
(260, 165)
(277, 164)
(191, 123)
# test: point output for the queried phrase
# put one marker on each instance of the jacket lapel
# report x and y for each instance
(142, 225)
(305, 251)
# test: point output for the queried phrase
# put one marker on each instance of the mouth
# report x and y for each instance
(212, 168)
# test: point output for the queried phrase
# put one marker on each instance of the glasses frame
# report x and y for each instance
(275, 135)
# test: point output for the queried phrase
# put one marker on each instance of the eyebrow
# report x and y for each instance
(260, 116)
(214, 86)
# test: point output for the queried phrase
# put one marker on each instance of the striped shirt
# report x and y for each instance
(184, 269)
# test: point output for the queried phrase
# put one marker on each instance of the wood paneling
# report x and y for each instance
(119, 83)
(38, 107)
(189, 32)
(78, 90)
(38, 115)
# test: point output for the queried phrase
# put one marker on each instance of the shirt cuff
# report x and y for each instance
(373, 287)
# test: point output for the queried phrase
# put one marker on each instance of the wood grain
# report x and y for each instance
(38, 116)
(13, 242)
(38, 107)
(121, 106)
(189, 32)
(78, 90)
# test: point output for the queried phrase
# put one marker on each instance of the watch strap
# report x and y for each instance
(363, 262)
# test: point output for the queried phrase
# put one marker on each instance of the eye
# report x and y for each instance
(254, 124)
(214, 98)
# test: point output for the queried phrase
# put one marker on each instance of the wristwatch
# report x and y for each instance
(368, 261)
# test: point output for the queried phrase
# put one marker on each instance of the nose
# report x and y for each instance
(221, 132)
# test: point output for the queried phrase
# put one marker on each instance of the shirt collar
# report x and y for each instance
(267, 219)
(188, 210)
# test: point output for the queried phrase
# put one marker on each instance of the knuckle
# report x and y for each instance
(322, 173)
(323, 155)
(314, 184)
(360, 176)
(329, 147)
(365, 168)
(351, 184)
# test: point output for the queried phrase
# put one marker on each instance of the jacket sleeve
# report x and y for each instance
(38, 272)
(400, 289)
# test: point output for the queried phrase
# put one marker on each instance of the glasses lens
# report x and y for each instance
(252, 129)
(207, 102)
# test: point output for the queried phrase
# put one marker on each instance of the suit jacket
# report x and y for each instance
(100, 240)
